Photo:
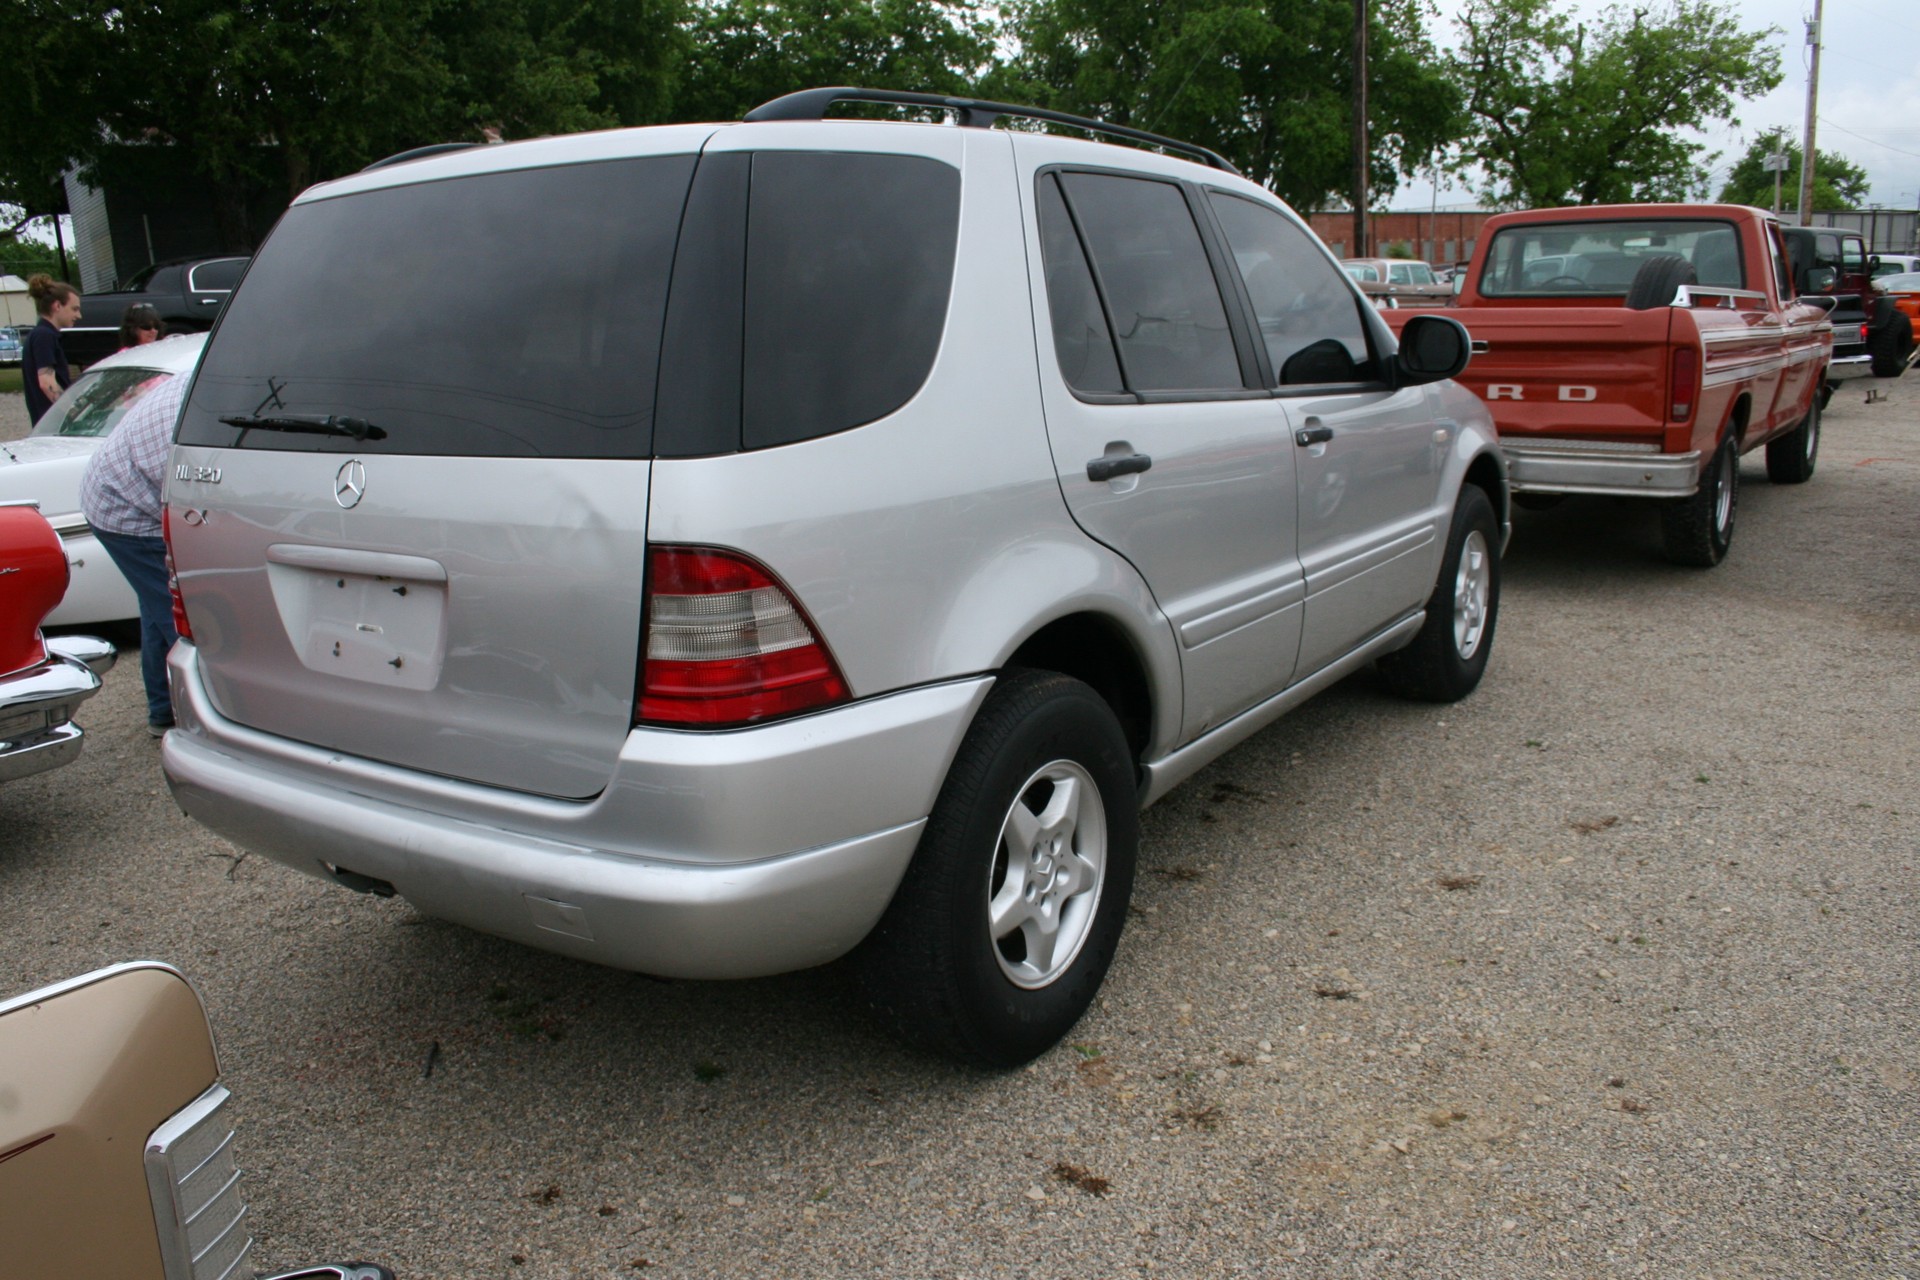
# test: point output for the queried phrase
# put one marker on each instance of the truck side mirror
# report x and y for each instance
(1432, 348)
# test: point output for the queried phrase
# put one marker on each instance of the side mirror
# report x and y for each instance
(1459, 283)
(1821, 279)
(1432, 348)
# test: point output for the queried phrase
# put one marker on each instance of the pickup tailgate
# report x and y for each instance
(1579, 373)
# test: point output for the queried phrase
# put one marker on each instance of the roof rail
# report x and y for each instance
(419, 153)
(969, 113)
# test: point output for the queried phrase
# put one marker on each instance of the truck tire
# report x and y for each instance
(1698, 530)
(1790, 458)
(1657, 280)
(1890, 343)
(1449, 655)
(1009, 915)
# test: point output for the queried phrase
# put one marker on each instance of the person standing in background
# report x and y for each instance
(43, 364)
(122, 494)
(140, 326)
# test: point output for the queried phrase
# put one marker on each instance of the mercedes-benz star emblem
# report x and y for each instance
(350, 483)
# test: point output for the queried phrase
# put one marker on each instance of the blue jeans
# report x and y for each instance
(144, 562)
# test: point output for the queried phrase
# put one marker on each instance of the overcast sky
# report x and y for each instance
(1869, 103)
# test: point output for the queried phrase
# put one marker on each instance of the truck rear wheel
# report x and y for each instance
(1657, 280)
(1790, 458)
(1699, 529)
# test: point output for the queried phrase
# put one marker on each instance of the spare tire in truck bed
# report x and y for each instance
(1658, 278)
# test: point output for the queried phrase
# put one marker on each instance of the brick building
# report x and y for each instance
(1442, 236)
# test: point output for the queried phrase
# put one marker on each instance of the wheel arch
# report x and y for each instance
(1485, 473)
(1098, 650)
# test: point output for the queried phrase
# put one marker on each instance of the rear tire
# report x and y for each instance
(1657, 280)
(1790, 459)
(1009, 915)
(1889, 344)
(1698, 530)
(1449, 655)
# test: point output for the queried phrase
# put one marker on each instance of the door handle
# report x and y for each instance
(1111, 467)
(1312, 435)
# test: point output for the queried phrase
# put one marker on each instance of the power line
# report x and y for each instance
(1864, 138)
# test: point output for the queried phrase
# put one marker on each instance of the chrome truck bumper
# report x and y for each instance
(1846, 368)
(1599, 467)
(709, 855)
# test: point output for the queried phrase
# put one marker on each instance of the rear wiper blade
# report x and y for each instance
(315, 424)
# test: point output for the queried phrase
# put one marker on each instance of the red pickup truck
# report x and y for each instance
(1638, 350)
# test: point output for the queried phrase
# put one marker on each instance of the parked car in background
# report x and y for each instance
(1870, 334)
(187, 294)
(46, 467)
(42, 681)
(1406, 283)
(117, 1150)
(1894, 264)
(1904, 290)
(11, 345)
(932, 566)
(1639, 350)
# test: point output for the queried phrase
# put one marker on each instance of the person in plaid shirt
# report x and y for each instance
(122, 494)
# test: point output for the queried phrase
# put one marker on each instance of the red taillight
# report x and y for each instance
(1684, 384)
(1863, 333)
(726, 644)
(173, 578)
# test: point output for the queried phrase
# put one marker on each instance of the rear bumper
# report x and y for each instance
(709, 855)
(37, 732)
(1845, 368)
(1581, 466)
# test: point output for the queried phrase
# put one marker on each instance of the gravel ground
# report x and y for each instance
(1608, 970)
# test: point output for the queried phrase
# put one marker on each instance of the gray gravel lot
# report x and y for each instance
(1608, 970)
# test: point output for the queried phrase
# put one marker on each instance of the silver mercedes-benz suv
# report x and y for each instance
(710, 550)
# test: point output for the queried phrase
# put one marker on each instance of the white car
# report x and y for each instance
(45, 468)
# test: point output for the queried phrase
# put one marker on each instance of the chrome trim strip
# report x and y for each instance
(1163, 775)
(1579, 446)
(53, 991)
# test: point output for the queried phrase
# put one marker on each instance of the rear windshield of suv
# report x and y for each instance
(508, 314)
(1560, 259)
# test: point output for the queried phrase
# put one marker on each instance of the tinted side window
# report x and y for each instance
(848, 272)
(1160, 290)
(1081, 339)
(1309, 317)
(213, 277)
(506, 314)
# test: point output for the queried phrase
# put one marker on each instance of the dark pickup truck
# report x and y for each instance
(188, 295)
(1870, 334)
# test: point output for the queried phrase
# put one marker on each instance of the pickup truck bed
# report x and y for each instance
(1637, 380)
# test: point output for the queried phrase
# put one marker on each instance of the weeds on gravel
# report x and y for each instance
(1074, 1175)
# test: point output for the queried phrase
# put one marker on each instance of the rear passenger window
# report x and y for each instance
(1160, 291)
(1082, 342)
(848, 271)
(1309, 317)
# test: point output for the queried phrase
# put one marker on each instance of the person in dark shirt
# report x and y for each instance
(43, 363)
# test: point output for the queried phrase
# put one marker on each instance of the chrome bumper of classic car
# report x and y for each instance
(1599, 467)
(709, 855)
(37, 732)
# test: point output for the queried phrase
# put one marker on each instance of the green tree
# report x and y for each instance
(283, 93)
(1267, 83)
(1567, 113)
(1838, 183)
(746, 52)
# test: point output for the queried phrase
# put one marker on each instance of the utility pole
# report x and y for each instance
(1813, 96)
(1362, 248)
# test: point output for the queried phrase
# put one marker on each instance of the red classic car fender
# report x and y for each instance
(33, 577)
